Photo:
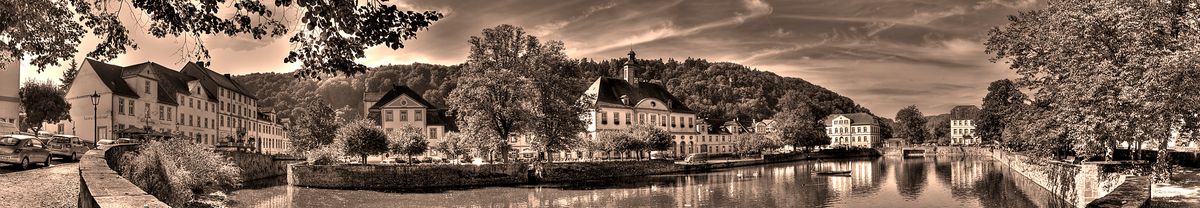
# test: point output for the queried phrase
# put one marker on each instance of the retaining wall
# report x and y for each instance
(1134, 193)
(101, 186)
(404, 176)
(259, 166)
(1078, 184)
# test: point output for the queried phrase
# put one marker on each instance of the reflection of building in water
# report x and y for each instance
(863, 177)
(964, 174)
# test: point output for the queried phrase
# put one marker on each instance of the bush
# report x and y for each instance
(324, 156)
(179, 172)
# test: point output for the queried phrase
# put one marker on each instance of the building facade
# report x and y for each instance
(621, 103)
(962, 125)
(10, 101)
(195, 103)
(401, 107)
(853, 130)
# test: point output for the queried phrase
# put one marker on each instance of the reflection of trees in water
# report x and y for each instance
(910, 178)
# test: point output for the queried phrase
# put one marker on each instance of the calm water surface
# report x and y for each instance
(874, 182)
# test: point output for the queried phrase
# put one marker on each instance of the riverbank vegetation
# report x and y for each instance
(181, 173)
(1102, 75)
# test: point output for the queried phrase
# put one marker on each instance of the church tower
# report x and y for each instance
(629, 74)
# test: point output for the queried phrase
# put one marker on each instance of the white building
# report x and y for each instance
(621, 103)
(10, 102)
(853, 129)
(962, 125)
(196, 102)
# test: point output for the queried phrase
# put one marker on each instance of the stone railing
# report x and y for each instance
(1133, 193)
(101, 186)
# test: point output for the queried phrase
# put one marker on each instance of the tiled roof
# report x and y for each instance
(211, 80)
(964, 112)
(110, 75)
(855, 119)
(398, 90)
(169, 81)
(610, 91)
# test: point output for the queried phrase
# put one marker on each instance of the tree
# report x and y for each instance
(941, 130)
(911, 125)
(1109, 71)
(1001, 101)
(799, 127)
(68, 76)
(408, 141)
(314, 126)
(750, 143)
(330, 36)
(612, 141)
(499, 94)
(452, 146)
(43, 103)
(650, 138)
(362, 138)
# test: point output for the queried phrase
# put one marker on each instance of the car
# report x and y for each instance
(23, 150)
(67, 146)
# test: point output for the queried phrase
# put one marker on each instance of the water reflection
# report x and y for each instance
(874, 182)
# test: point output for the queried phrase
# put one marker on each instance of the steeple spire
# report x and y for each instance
(629, 74)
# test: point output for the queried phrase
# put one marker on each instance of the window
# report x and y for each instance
(147, 87)
(148, 111)
(603, 118)
(628, 118)
(616, 118)
(433, 133)
(161, 113)
(169, 113)
(131, 107)
(672, 122)
(403, 115)
(387, 115)
(121, 106)
(417, 115)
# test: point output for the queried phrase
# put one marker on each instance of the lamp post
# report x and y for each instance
(95, 119)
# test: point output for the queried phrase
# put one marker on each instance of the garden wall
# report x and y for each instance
(101, 186)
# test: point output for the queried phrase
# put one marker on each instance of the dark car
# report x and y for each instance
(67, 146)
(23, 150)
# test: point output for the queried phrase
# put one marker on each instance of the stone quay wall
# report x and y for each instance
(100, 185)
(404, 176)
(447, 175)
(1133, 193)
(1078, 184)
(259, 166)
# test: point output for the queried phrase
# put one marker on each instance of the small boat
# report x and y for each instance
(833, 172)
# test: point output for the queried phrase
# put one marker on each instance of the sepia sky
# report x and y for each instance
(883, 54)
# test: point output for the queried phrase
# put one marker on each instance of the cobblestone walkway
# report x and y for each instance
(55, 186)
(1182, 191)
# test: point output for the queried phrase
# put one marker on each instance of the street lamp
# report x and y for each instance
(95, 119)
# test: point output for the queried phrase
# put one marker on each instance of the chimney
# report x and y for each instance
(228, 77)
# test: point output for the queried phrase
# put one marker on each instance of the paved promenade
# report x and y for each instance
(54, 186)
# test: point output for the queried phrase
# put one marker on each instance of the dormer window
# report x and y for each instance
(147, 87)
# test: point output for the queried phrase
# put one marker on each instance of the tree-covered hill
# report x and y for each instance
(715, 89)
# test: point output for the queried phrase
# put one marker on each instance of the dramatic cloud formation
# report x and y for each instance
(884, 54)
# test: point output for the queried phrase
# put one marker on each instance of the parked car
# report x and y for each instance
(23, 150)
(67, 146)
